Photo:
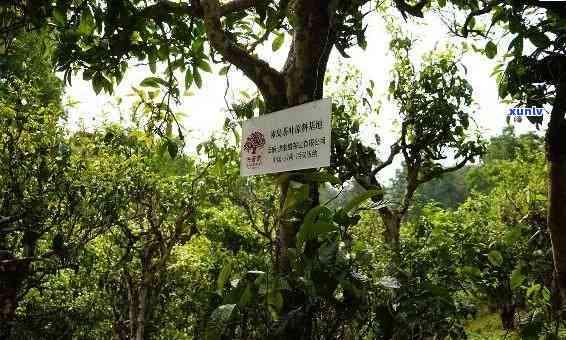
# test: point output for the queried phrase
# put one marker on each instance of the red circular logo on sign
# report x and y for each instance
(254, 143)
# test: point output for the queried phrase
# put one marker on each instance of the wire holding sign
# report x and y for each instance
(291, 139)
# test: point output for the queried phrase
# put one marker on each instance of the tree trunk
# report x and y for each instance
(141, 311)
(392, 223)
(556, 156)
(301, 80)
(507, 314)
(303, 75)
(12, 274)
(285, 233)
(137, 308)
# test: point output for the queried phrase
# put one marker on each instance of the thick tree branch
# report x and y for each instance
(550, 69)
(27, 259)
(313, 38)
(193, 9)
(442, 171)
(269, 81)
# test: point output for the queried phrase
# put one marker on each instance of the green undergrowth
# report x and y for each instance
(488, 327)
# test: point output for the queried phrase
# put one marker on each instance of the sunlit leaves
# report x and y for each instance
(197, 77)
(358, 200)
(317, 221)
(203, 65)
(278, 42)
(516, 278)
(495, 258)
(188, 78)
(153, 82)
(224, 276)
(87, 23)
(59, 16)
(219, 320)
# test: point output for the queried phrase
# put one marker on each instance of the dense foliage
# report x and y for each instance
(119, 232)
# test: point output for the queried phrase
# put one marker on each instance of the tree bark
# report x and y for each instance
(141, 309)
(556, 156)
(137, 290)
(303, 72)
(12, 274)
(507, 314)
(392, 222)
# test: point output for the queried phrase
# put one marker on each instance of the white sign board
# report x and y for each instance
(291, 139)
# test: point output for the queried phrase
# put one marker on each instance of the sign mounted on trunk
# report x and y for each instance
(291, 139)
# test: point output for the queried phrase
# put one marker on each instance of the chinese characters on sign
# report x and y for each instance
(291, 139)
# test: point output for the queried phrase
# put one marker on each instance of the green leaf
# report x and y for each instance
(98, 82)
(188, 79)
(317, 221)
(87, 24)
(275, 300)
(247, 296)
(539, 39)
(219, 320)
(356, 201)
(441, 3)
(197, 78)
(321, 177)
(277, 42)
(546, 294)
(495, 258)
(516, 278)
(490, 49)
(224, 276)
(517, 46)
(59, 17)
(224, 70)
(172, 148)
(152, 62)
(295, 197)
(153, 82)
(163, 52)
(533, 289)
(203, 65)
(313, 230)
(197, 45)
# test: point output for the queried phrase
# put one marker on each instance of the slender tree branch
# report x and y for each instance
(414, 10)
(473, 14)
(395, 149)
(435, 174)
(9, 219)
